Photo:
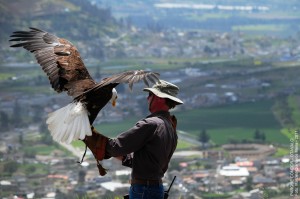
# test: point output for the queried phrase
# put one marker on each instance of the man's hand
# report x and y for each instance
(97, 143)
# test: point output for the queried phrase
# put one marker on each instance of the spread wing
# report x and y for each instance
(129, 77)
(59, 59)
(98, 96)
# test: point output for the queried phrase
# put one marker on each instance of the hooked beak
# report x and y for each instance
(114, 97)
(113, 103)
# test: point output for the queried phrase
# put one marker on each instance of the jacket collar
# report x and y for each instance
(160, 113)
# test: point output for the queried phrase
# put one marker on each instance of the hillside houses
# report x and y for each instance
(199, 88)
(194, 44)
(218, 171)
(221, 171)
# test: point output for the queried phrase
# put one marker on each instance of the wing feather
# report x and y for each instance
(128, 77)
(58, 58)
(145, 81)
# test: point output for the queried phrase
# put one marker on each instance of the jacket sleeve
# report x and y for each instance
(127, 160)
(132, 139)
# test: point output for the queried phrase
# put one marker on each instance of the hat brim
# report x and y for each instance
(163, 95)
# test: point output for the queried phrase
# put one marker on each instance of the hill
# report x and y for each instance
(77, 20)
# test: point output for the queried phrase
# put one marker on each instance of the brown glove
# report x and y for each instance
(97, 143)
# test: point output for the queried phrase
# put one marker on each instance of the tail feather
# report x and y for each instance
(85, 125)
(69, 123)
(73, 129)
(57, 125)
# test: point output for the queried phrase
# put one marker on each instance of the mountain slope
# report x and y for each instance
(76, 20)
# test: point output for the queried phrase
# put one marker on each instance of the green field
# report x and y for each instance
(222, 123)
(233, 122)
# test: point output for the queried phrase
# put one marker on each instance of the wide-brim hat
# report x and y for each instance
(165, 89)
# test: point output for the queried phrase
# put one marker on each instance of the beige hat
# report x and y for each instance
(165, 89)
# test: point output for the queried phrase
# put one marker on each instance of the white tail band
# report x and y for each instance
(69, 123)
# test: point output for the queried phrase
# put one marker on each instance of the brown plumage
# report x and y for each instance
(62, 63)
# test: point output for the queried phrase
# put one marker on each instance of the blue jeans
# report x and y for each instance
(139, 191)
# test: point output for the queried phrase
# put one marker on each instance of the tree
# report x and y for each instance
(203, 137)
(263, 137)
(256, 135)
(29, 153)
(47, 139)
(259, 136)
(249, 183)
(10, 167)
(37, 113)
(81, 176)
(43, 128)
(17, 120)
(4, 120)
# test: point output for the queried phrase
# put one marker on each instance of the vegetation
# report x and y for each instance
(272, 121)
(236, 121)
(222, 123)
(84, 22)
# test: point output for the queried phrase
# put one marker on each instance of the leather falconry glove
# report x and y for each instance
(97, 143)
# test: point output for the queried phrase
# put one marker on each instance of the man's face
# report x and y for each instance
(155, 103)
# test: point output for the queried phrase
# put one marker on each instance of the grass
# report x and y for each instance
(233, 122)
(267, 27)
(183, 145)
(5, 76)
(293, 102)
(112, 130)
(45, 149)
(34, 169)
(41, 149)
(282, 152)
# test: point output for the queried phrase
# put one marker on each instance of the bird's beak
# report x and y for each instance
(113, 103)
(114, 97)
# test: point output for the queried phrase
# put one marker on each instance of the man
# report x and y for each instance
(148, 146)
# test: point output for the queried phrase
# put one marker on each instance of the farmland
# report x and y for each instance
(221, 123)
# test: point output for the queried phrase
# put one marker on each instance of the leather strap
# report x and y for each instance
(173, 120)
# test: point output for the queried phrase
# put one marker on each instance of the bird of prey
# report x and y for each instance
(62, 63)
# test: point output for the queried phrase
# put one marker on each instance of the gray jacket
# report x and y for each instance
(147, 147)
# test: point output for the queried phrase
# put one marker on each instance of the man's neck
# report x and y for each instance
(159, 108)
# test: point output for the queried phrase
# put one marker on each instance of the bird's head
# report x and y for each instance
(114, 97)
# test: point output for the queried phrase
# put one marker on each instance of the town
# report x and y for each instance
(201, 171)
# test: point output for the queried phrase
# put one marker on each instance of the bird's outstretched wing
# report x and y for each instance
(59, 59)
(129, 77)
(98, 96)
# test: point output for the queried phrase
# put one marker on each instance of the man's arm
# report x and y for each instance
(132, 139)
